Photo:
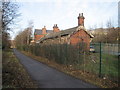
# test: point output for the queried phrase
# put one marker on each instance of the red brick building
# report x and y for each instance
(72, 36)
(38, 34)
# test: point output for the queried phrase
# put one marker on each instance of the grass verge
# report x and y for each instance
(13, 73)
(71, 70)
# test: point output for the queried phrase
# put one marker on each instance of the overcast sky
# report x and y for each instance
(65, 13)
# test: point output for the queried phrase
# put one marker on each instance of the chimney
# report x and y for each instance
(81, 19)
(55, 28)
(44, 30)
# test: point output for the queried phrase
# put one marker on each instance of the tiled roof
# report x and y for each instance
(64, 33)
(57, 34)
(39, 31)
(49, 31)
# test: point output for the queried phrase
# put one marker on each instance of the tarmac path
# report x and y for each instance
(47, 77)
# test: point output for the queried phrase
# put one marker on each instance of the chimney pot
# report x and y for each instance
(44, 30)
(81, 19)
(55, 28)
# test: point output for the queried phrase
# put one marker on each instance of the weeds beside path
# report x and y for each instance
(13, 73)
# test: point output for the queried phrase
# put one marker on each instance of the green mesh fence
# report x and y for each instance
(102, 62)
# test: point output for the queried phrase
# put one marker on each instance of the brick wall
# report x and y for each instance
(80, 36)
(37, 37)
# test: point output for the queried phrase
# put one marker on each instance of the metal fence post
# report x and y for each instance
(66, 55)
(100, 60)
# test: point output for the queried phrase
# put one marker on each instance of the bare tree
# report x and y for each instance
(9, 14)
(109, 24)
(30, 27)
(24, 37)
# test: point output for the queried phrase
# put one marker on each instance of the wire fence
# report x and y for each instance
(100, 60)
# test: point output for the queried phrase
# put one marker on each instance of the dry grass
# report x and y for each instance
(13, 73)
(71, 70)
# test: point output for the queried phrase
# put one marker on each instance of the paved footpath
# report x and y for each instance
(47, 77)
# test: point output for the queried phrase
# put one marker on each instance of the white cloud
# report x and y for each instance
(66, 0)
(65, 13)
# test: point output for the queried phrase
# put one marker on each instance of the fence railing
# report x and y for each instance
(103, 62)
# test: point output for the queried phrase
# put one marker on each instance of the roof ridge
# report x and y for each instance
(70, 28)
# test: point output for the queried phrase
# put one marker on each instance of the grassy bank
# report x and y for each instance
(13, 73)
(71, 70)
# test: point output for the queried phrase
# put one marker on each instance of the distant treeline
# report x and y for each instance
(108, 35)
